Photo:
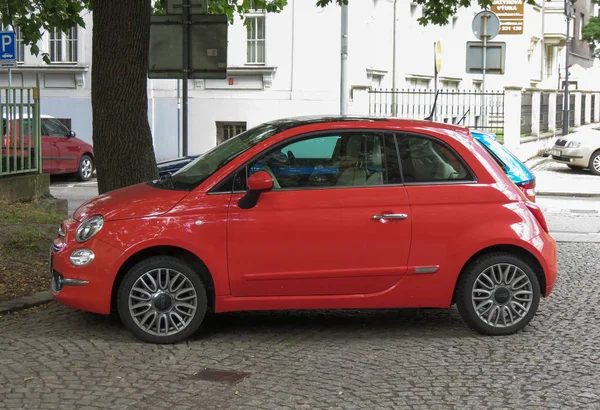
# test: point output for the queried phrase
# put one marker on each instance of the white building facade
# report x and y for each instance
(288, 64)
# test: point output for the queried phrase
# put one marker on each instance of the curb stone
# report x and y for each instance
(26, 302)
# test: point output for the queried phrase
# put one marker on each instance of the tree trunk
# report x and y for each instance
(122, 138)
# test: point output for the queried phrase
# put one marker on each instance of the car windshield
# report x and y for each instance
(197, 171)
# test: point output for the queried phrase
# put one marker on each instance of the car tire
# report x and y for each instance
(159, 295)
(595, 163)
(575, 167)
(498, 294)
(86, 168)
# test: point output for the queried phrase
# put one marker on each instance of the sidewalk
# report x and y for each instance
(556, 179)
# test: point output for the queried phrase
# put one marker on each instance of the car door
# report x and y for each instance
(340, 232)
(448, 207)
(65, 149)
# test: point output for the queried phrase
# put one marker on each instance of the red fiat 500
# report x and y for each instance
(313, 213)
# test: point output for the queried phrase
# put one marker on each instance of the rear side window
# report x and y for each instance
(425, 160)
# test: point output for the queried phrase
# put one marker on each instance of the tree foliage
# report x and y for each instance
(591, 34)
(124, 96)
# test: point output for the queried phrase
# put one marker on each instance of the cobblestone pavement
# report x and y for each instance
(56, 357)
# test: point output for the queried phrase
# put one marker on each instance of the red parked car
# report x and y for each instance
(313, 213)
(62, 151)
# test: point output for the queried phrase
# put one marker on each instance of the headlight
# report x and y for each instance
(89, 228)
(573, 144)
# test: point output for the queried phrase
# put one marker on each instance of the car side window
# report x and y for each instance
(426, 160)
(53, 128)
(340, 160)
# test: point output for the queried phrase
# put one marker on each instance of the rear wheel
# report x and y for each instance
(595, 163)
(86, 168)
(162, 300)
(498, 294)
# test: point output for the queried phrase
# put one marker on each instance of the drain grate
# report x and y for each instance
(584, 211)
(221, 376)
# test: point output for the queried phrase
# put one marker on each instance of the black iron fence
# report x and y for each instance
(469, 108)
(559, 111)
(583, 106)
(526, 111)
(544, 112)
(594, 102)
(571, 110)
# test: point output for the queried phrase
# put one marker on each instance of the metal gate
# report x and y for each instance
(21, 130)
(544, 111)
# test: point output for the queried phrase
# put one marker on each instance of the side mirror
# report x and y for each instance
(260, 181)
(71, 134)
(257, 183)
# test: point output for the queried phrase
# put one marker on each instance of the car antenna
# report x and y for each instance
(430, 117)
(463, 117)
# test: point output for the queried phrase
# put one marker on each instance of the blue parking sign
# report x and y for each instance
(7, 47)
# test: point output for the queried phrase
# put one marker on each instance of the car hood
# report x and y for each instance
(589, 138)
(135, 201)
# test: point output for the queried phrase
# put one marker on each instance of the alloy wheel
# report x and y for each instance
(86, 168)
(502, 295)
(596, 163)
(163, 302)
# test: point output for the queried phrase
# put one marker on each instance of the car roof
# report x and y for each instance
(292, 122)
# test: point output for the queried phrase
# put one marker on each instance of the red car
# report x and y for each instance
(313, 213)
(62, 151)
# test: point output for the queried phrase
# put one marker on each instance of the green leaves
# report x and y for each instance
(35, 17)
(591, 34)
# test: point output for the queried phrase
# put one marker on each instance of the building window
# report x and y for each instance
(226, 130)
(19, 46)
(581, 24)
(418, 83)
(63, 47)
(255, 26)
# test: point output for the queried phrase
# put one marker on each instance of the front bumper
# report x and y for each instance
(87, 287)
(579, 157)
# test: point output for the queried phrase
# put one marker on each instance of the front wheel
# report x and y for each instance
(595, 163)
(162, 300)
(498, 294)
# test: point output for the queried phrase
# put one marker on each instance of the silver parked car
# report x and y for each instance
(579, 150)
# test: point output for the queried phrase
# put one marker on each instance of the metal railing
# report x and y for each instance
(21, 129)
(544, 112)
(571, 111)
(594, 102)
(583, 106)
(526, 111)
(451, 106)
(559, 111)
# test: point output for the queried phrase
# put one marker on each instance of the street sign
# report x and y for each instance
(511, 14)
(207, 47)
(438, 56)
(196, 7)
(7, 49)
(479, 22)
(495, 57)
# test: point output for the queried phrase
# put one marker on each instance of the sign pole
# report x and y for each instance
(483, 110)
(566, 107)
(186, 65)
